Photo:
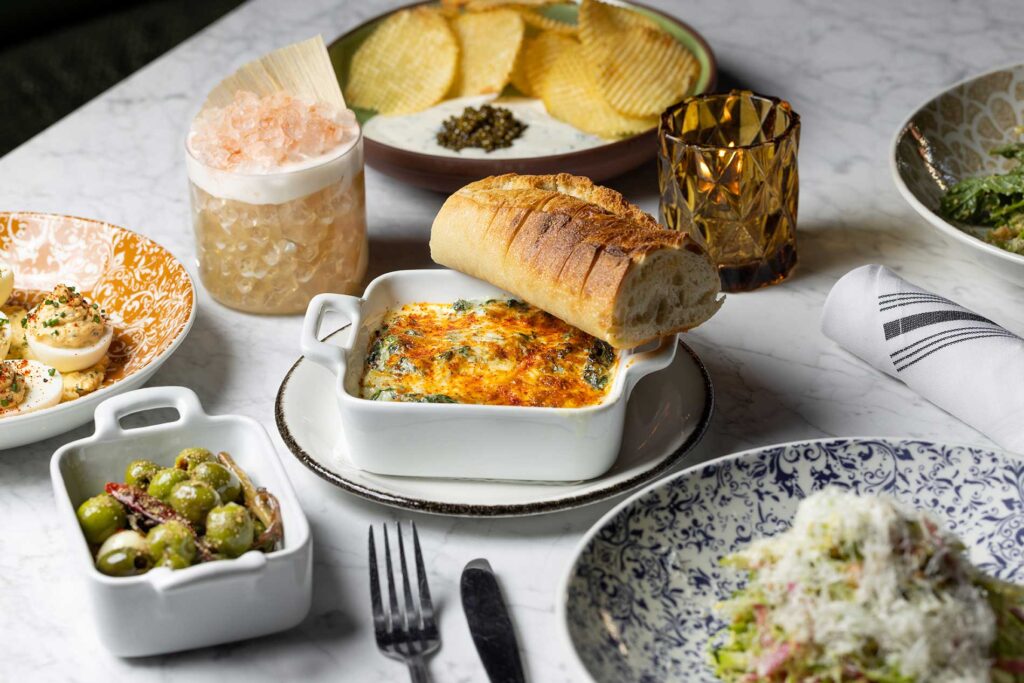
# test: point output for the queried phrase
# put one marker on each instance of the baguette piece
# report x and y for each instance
(580, 252)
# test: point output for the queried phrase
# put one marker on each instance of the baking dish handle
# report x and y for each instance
(109, 413)
(644, 363)
(329, 356)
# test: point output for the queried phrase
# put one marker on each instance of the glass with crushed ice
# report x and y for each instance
(278, 202)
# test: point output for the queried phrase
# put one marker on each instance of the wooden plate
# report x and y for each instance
(446, 174)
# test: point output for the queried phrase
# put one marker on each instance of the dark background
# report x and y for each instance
(56, 55)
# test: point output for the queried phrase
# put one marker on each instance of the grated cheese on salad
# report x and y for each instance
(860, 589)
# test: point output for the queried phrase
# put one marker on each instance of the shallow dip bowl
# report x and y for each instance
(465, 441)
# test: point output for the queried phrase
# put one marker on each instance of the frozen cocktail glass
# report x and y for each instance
(278, 202)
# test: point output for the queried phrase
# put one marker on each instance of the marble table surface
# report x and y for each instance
(852, 70)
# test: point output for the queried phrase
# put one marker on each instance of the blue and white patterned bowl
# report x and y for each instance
(638, 601)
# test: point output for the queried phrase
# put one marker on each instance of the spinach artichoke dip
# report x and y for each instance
(494, 352)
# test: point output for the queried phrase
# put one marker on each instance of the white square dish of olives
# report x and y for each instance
(169, 519)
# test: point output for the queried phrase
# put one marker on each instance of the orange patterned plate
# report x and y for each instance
(147, 293)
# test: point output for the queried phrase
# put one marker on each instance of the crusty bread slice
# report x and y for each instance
(580, 252)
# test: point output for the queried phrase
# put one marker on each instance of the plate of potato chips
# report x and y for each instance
(452, 91)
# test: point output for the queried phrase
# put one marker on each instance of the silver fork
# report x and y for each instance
(411, 634)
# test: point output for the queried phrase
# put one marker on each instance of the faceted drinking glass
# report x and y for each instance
(269, 243)
(728, 176)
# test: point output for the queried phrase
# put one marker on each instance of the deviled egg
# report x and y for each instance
(27, 386)
(67, 332)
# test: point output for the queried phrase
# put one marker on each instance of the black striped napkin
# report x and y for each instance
(961, 361)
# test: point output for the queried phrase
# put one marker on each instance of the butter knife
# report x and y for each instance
(489, 623)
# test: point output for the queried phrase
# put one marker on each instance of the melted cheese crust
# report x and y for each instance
(498, 352)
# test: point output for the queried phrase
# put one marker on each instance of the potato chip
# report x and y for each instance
(406, 65)
(604, 19)
(539, 56)
(545, 23)
(484, 5)
(519, 78)
(570, 93)
(488, 45)
(640, 68)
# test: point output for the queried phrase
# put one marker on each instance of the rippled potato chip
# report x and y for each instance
(546, 23)
(570, 93)
(406, 65)
(604, 19)
(488, 45)
(519, 78)
(539, 56)
(640, 68)
(484, 5)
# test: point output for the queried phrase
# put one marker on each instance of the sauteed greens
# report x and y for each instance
(995, 200)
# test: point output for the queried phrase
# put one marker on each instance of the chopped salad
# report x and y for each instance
(862, 590)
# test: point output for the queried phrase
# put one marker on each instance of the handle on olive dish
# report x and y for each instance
(643, 363)
(330, 356)
(108, 414)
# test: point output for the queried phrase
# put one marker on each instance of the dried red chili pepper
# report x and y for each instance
(157, 512)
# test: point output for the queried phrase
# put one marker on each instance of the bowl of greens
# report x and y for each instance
(959, 161)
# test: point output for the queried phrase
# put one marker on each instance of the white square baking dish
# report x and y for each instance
(459, 440)
(165, 611)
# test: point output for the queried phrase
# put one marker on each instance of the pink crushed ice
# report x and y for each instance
(257, 134)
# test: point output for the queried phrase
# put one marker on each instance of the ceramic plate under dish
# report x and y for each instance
(666, 416)
(638, 601)
(948, 139)
(445, 173)
(146, 292)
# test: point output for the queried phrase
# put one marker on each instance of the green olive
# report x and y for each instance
(190, 457)
(172, 545)
(126, 553)
(163, 481)
(100, 517)
(140, 473)
(193, 500)
(223, 480)
(229, 529)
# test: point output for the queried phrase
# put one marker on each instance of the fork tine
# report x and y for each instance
(395, 616)
(378, 606)
(412, 615)
(427, 606)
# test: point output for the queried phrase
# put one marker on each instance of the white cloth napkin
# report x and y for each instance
(962, 362)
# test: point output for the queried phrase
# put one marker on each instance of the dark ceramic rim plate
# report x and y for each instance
(446, 174)
(514, 510)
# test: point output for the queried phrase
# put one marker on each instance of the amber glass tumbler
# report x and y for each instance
(728, 176)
